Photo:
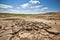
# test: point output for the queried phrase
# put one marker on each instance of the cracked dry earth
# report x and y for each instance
(26, 30)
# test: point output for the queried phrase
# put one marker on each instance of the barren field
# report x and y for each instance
(30, 28)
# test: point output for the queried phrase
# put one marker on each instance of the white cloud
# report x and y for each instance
(10, 11)
(38, 6)
(44, 8)
(34, 1)
(13, 11)
(5, 6)
(4, 11)
(30, 7)
(25, 5)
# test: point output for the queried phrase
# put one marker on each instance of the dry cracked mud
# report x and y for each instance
(20, 29)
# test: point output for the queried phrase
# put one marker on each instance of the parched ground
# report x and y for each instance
(18, 28)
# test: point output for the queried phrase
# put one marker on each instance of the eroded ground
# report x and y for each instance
(29, 29)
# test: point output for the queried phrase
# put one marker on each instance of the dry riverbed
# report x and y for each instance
(18, 28)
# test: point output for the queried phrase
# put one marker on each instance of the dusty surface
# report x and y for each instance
(16, 28)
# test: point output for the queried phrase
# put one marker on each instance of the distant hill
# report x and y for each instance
(50, 16)
(2, 15)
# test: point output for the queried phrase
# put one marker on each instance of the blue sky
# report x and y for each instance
(29, 6)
